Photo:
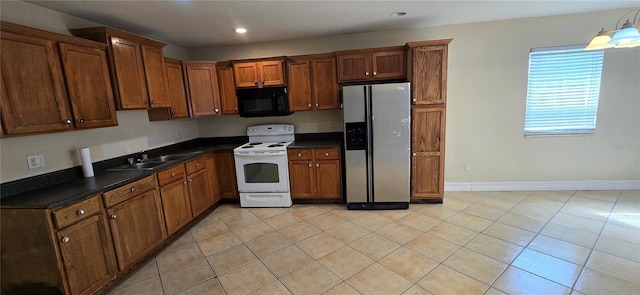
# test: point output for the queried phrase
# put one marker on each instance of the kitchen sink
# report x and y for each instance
(168, 158)
(148, 165)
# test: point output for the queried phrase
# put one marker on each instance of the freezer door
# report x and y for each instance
(391, 132)
(353, 98)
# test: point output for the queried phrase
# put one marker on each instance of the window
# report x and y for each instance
(563, 90)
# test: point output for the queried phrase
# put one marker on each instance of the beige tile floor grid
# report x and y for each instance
(542, 242)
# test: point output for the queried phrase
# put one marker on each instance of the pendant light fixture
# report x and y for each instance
(622, 37)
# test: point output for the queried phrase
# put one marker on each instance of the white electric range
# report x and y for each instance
(262, 167)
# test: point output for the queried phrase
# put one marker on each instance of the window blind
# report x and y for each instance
(563, 90)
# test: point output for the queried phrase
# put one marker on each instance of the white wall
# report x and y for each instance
(487, 84)
(133, 133)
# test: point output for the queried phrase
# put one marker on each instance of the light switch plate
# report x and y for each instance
(35, 161)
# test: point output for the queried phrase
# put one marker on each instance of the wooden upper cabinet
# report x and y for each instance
(312, 83)
(202, 88)
(53, 82)
(259, 73)
(226, 82)
(89, 86)
(137, 67)
(428, 71)
(33, 92)
(176, 91)
(154, 70)
(371, 64)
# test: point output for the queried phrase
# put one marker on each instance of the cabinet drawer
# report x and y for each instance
(76, 212)
(130, 190)
(329, 154)
(170, 175)
(195, 165)
(300, 154)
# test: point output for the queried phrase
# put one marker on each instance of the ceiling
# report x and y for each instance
(192, 23)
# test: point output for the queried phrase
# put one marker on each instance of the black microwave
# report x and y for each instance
(263, 102)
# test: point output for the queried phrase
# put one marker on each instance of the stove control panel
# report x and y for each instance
(270, 129)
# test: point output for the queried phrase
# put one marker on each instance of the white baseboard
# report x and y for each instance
(543, 185)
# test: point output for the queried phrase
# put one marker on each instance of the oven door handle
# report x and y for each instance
(260, 154)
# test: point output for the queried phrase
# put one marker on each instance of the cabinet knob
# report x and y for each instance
(80, 212)
(299, 154)
(255, 82)
(197, 164)
(309, 165)
(235, 109)
(216, 110)
(152, 101)
(67, 121)
(80, 120)
(326, 154)
(190, 180)
(262, 81)
(133, 189)
(414, 99)
(414, 154)
(184, 182)
(317, 105)
(309, 105)
(113, 216)
(146, 101)
(374, 73)
(366, 73)
(173, 174)
(173, 114)
(65, 239)
(317, 165)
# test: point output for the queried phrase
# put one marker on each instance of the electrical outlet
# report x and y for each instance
(35, 161)
(178, 134)
(467, 167)
(332, 124)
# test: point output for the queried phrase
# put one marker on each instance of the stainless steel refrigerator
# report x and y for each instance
(377, 128)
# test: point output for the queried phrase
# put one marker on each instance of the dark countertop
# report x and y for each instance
(64, 187)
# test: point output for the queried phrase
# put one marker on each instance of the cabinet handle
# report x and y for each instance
(366, 73)
(67, 121)
(216, 110)
(65, 239)
(317, 165)
(80, 212)
(374, 73)
(133, 189)
(326, 154)
(80, 120)
(299, 154)
(309, 105)
(113, 216)
(173, 174)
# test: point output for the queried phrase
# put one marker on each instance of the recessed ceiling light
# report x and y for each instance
(240, 30)
(399, 13)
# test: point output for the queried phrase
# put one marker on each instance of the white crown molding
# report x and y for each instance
(543, 185)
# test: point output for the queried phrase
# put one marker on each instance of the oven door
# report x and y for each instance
(262, 171)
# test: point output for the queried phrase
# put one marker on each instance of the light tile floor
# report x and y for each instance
(542, 242)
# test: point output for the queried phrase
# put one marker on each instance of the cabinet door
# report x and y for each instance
(325, 84)
(302, 179)
(227, 86)
(131, 91)
(137, 227)
(176, 205)
(429, 74)
(89, 86)
(427, 143)
(87, 255)
(199, 191)
(202, 83)
(246, 74)
(226, 170)
(299, 86)
(354, 67)
(388, 64)
(212, 172)
(32, 88)
(176, 89)
(271, 73)
(156, 77)
(328, 179)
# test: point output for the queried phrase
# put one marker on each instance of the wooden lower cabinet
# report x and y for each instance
(226, 169)
(212, 172)
(67, 251)
(198, 184)
(427, 145)
(174, 193)
(137, 224)
(315, 174)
